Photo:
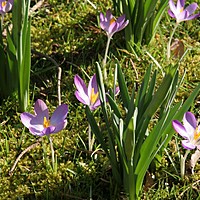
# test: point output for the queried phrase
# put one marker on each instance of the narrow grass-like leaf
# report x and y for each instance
(96, 131)
(114, 106)
(123, 88)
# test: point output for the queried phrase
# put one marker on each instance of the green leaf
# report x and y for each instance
(96, 131)
(123, 88)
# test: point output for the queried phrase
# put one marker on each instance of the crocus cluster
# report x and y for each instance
(5, 6)
(111, 25)
(180, 13)
(40, 123)
(189, 130)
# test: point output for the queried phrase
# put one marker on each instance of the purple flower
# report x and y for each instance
(110, 25)
(87, 95)
(190, 131)
(5, 6)
(180, 13)
(40, 124)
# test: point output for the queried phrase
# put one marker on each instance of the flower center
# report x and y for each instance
(46, 122)
(196, 134)
(93, 96)
(112, 20)
(3, 4)
(182, 9)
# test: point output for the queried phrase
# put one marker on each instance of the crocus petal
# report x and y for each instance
(49, 130)
(193, 17)
(189, 122)
(180, 4)
(36, 132)
(120, 20)
(92, 84)
(26, 118)
(81, 87)
(172, 6)
(60, 126)
(95, 105)
(101, 16)
(182, 16)
(79, 97)
(59, 114)
(109, 15)
(41, 109)
(191, 8)
(187, 145)
(171, 14)
(180, 129)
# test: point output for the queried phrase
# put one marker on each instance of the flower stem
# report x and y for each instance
(170, 40)
(183, 159)
(105, 59)
(52, 152)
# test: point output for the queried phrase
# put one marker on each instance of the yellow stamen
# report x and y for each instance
(112, 20)
(3, 4)
(93, 96)
(196, 134)
(182, 9)
(46, 122)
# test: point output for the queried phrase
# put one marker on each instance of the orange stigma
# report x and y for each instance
(112, 20)
(46, 122)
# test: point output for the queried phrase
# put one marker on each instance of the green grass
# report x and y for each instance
(68, 32)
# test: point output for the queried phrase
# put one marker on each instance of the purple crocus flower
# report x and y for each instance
(110, 25)
(5, 6)
(87, 95)
(181, 14)
(40, 124)
(190, 131)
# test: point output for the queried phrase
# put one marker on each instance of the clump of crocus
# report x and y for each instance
(40, 123)
(111, 25)
(87, 95)
(190, 131)
(181, 14)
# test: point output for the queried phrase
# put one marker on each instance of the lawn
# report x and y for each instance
(66, 36)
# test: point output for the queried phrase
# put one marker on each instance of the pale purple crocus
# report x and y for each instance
(190, 131)
(111, 25)
(87, 95)
(5, 6)
(181, 14)
(40, 123)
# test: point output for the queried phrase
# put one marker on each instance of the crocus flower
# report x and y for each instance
(181, 14)
(41, 124)
(190, 131)
(111, 25)
(5, 6)
(87, 95)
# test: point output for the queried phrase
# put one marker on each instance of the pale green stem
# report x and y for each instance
(52, 152)
(170, 40)
(183, 159)
(105, 59)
